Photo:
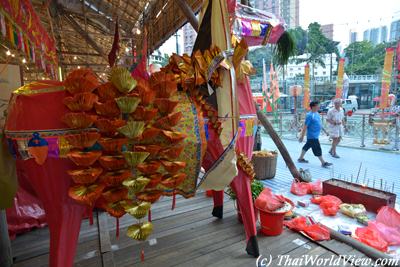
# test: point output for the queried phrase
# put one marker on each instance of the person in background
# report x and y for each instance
(335, 117)
(257, 138)
(312, 126)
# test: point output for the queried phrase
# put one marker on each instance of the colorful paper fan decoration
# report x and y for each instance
(115, 178)
(80, 102)
(127, 104)
(165, 106)
(152, 149)
(107, 109)
(151, 196)
(143, 114)
(112, 163)
(122, 79)
(150, 133)
(173, 181)
(107, 91)
(138, 209)
(83, 140)
(147, 97)
(136, 184)
(169, 121)
(155, 179)
(81, 80)
(173, 166)
(173, 137)
(86, 194)
(112, 145)
(140, 231)
(115, 194)
(171, 153)
(134, 158)
(149, 167)
(85, 176)
(116, 209)
(79, 120)
(164, 84)
(84, 159)
(132, 129)
(109, 127)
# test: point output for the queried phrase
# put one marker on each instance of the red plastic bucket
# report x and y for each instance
(272, 222)
(209, 193)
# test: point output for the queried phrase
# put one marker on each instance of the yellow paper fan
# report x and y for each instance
(134, 158)
(132, 129)
(136, 185)
(138, 209)
(122, 79)
(140, 231)
(127, 104)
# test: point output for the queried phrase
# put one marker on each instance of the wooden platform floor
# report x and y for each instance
(187, 236)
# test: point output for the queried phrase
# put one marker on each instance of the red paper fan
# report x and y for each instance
(79, 120)
(83, 140)
(150, 133)
(85, 176)
(116, 210)
(81, 80)
(152, 149)
(84, 159)
(174, 137)
(143, 114)
(164, 84)
(165, 106)
(171, 152)
(107, 109)
(115, 194)
(112, 145)
(109, 127)
(86, 194)
(112, 163)
(155, 179)
(173, 181)
(80, 102)
(173, 166)
(115, 178)
(149, 167)
(151, 196)
(107, 91)
(169, 121)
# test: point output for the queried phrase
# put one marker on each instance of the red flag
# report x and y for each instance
(112, 56)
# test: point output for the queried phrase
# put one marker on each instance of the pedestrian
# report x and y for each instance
(312, 126)
(335, 118)
(257, 139)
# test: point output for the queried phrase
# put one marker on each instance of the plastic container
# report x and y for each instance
(272, 222)
(209, 193)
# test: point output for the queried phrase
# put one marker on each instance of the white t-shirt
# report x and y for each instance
(336, 116)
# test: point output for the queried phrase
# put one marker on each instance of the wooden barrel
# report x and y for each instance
(265, 167)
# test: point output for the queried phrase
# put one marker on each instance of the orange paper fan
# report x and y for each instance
(143, 114)
(107, 91)
(173, 181)
(116, 209)
(147, 97)
(169, 121)
(112, 145)
(83, 140)
(115, 194)
(174, 137)
(84, 159)
(149, 167)
(109, 126)
(80, 102)
(171, 152)
(85, 176)
(81, 80)
(165, 106)
(79, 120)
(115, 178)
(164, 84)
(151, 196)
(150, 133)
(173, 166)
(112, 163)
(155, 179)
(152, 149)
(86, 194)
(108, 109)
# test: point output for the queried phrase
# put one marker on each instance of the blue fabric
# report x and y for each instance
(313, 123)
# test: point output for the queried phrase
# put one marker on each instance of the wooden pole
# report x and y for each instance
(187, 10)
(5, 246)
(279, 144)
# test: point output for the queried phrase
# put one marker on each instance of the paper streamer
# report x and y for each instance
(306, 98)
(386, 77)
(339, 83)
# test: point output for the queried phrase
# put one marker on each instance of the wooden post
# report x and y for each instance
(279, 144)
(5, 246)
(188, 12)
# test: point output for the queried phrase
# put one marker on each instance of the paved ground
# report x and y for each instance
(376, 165)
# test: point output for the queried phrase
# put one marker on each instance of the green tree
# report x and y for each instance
(256, 57)
(300, 37)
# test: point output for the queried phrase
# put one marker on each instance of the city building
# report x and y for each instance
(287, 9)
(297, 69)
(189, 37)
(353, 37)
(327, 30)
(376, 35)
(395, 31)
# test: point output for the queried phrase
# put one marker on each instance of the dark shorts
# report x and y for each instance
(314, 145)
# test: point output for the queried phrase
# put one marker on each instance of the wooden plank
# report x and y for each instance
(107, 255)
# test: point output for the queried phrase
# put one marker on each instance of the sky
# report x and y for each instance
(346, 15)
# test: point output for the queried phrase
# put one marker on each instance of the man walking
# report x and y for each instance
(313, 127)
(335, 118)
